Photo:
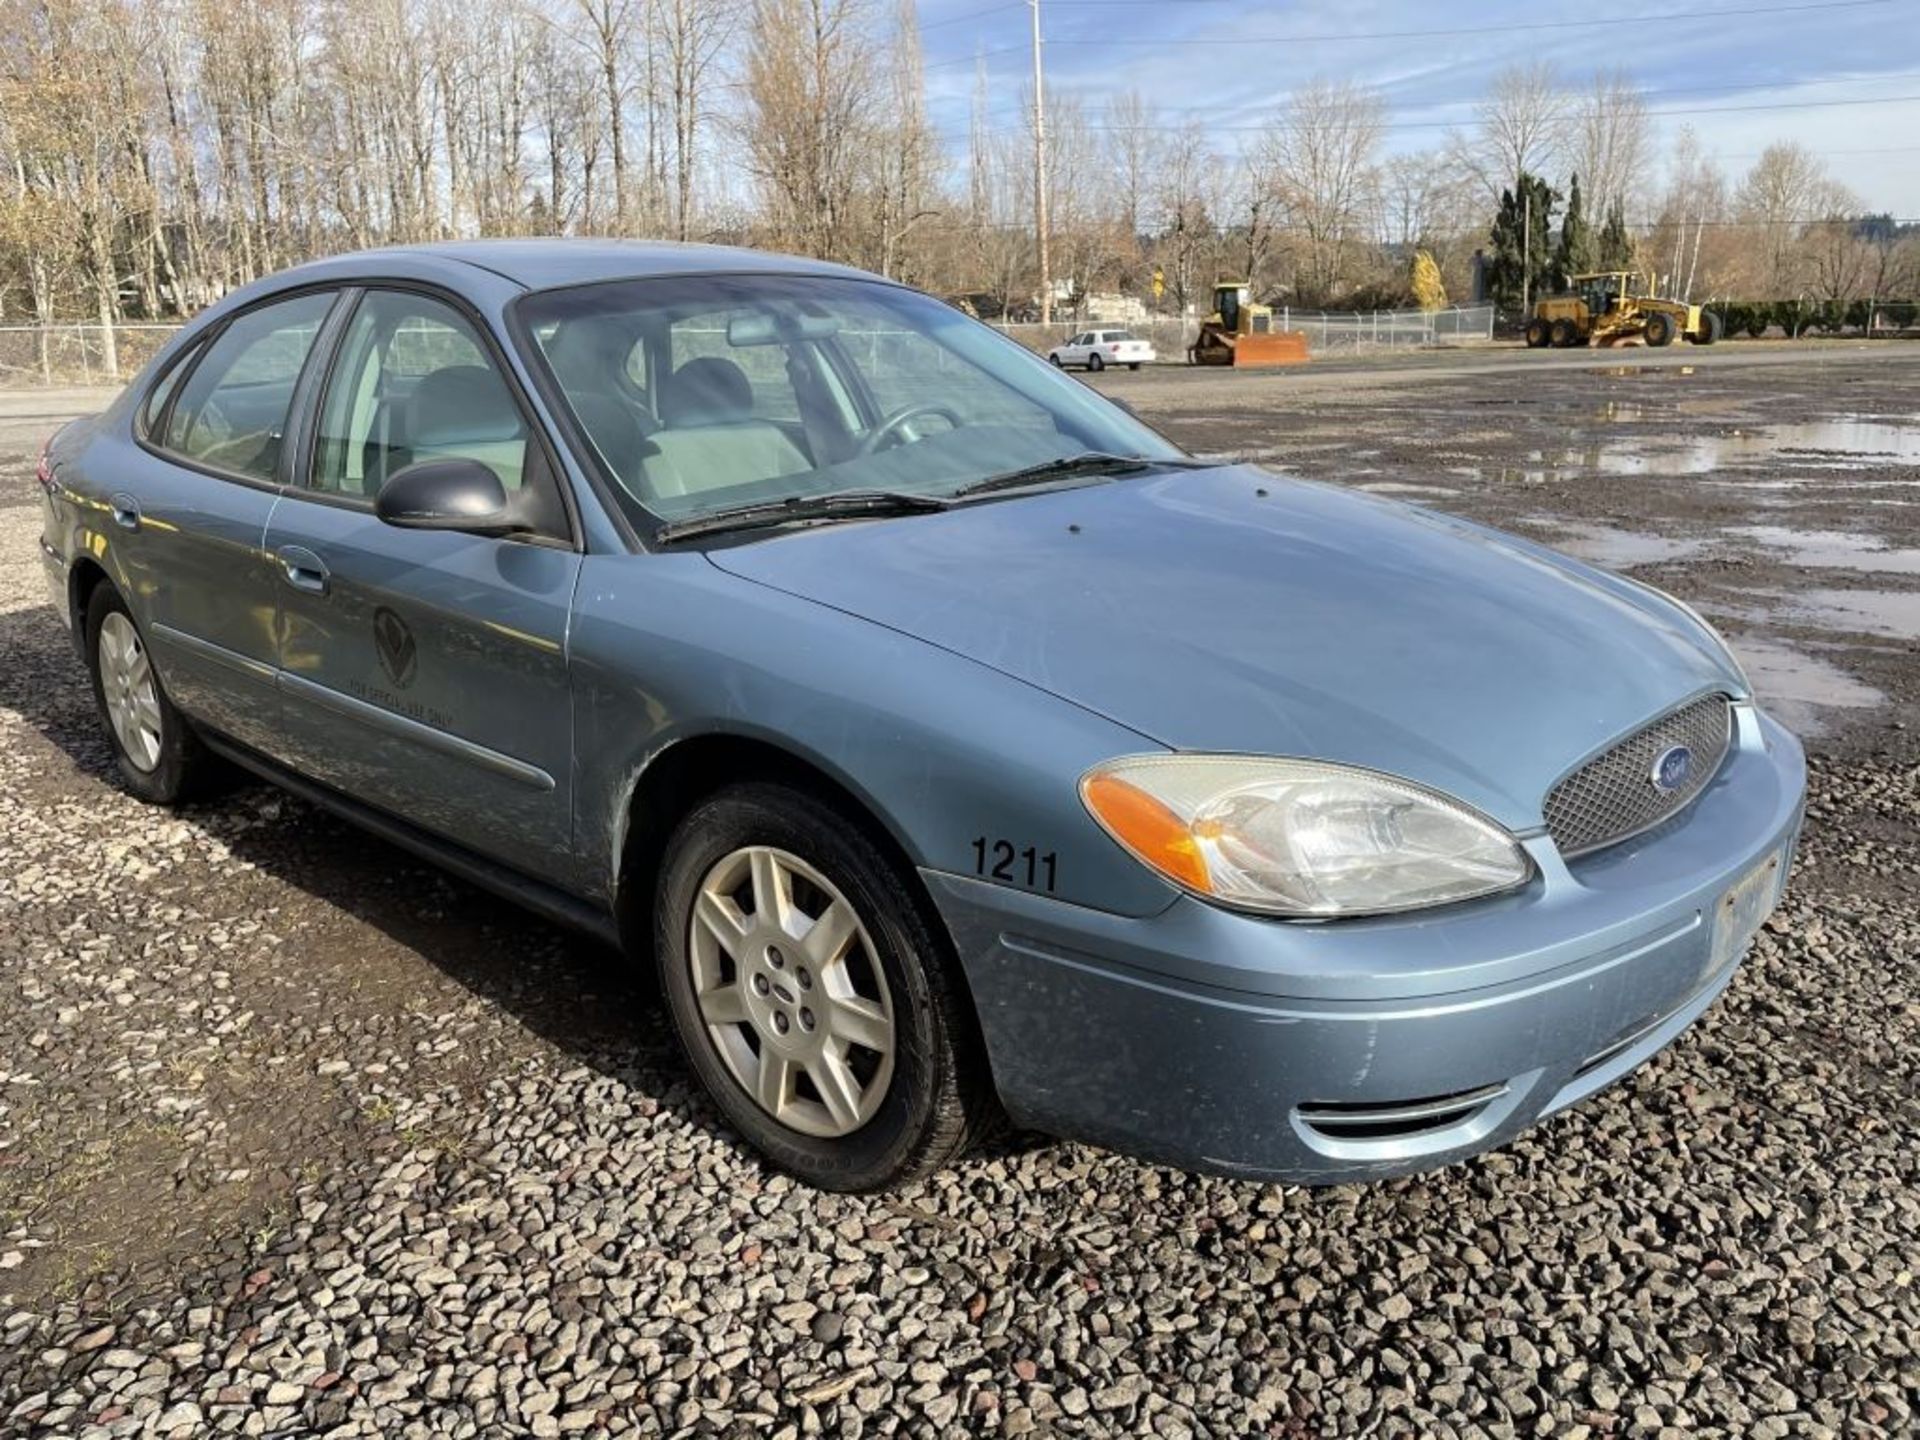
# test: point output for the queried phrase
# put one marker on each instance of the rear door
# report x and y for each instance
(425, 672)
(193, 506)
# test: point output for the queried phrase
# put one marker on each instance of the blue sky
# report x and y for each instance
(1850, 73)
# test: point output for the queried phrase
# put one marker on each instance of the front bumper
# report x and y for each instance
(1353, 1050)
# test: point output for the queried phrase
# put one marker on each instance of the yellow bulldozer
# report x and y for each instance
(1614, 305)
(1238, 332)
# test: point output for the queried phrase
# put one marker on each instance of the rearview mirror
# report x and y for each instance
(451, 494)
(764, 329)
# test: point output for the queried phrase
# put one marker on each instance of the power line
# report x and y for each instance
(1426, 34)
(1449, 124)
(1885, 77)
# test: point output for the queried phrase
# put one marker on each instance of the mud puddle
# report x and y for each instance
(1616, 549)
(1800, 687)
(1832, 549)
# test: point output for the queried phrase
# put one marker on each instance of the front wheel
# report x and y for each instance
(810, 994)
(1054, 360)
(160, 758)
(1536, 334)
(1659, 331)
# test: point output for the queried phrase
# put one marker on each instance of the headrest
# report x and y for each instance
(462, 403)
(707, 391)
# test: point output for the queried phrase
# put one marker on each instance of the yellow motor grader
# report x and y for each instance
(1613, 306)
(1240, 333)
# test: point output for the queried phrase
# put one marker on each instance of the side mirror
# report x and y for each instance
(452, 494)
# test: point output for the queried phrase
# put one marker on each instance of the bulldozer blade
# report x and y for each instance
(1282, 347)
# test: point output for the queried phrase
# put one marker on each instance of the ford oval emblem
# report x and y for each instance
(1672, 769)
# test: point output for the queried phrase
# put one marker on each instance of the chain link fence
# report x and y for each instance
(1326, 330)
(81, 354)
(77, 354)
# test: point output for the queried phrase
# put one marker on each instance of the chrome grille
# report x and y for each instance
(1613, 796)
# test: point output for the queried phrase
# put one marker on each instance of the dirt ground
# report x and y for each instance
(300, 1137)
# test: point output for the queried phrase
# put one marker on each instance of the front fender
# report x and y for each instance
(952, 757)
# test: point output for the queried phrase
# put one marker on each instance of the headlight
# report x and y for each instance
(1300, 837)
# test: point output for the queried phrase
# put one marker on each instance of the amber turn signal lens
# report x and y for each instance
(1148, 828)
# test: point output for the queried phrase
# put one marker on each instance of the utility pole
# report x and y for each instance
(1040, 172)
(1526, 243)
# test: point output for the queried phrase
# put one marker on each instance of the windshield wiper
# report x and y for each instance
(835, 505)
(1087, 462)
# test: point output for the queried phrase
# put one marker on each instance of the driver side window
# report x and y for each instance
(413, 382)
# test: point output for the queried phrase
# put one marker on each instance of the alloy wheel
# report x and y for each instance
(132, 697)
(792, 992)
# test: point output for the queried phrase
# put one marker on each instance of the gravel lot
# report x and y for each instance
(299, 1137)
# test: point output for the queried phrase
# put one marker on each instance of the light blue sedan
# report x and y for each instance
(956, 747)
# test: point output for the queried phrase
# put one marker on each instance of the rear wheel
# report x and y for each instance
(811, 995)
(1563, 334)
(1536, 333)
(1659, 331)
(1711, 328)
(1135, 367)
(160, 758)
(1096, 363)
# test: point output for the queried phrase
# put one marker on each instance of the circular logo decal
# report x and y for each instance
(393, 638)
(1673, 769)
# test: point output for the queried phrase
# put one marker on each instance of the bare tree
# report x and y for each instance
(1189, 202)
(1520, 126)
(1776, 200)
(1609, 142)
(1320, 160)
(694, 35)
(811, 90)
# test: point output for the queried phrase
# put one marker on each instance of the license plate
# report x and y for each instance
(1741, 911)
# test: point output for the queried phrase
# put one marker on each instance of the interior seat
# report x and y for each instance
(712, 440)
(466, 412)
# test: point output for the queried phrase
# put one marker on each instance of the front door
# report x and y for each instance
(425, 672)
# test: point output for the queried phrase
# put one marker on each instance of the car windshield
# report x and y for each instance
(697, 394)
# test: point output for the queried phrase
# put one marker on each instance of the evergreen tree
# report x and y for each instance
(1616, 246)
(1575, 255)
(1514, 276)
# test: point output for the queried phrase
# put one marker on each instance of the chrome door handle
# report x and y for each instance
(126, 510)
(304, 570)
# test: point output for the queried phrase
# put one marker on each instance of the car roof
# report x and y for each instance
(537, 264)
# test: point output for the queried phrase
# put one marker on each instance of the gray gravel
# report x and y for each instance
(299, 1137)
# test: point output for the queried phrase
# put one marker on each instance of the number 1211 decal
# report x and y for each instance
(1004, 861)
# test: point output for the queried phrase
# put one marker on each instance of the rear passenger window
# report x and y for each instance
(413, 382)
(156, 402)
(232, 410)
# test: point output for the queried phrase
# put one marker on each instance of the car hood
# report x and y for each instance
(1235, 610)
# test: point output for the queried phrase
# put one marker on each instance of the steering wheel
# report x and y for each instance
(890, 427)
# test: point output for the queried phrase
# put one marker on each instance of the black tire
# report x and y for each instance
(1096, 364)
(1053, 359)
(1659, 330)
(1135, 367)
(1563, 335)
(1536, 334)
(939, 1096)
(184, 767)
(1711, 328)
